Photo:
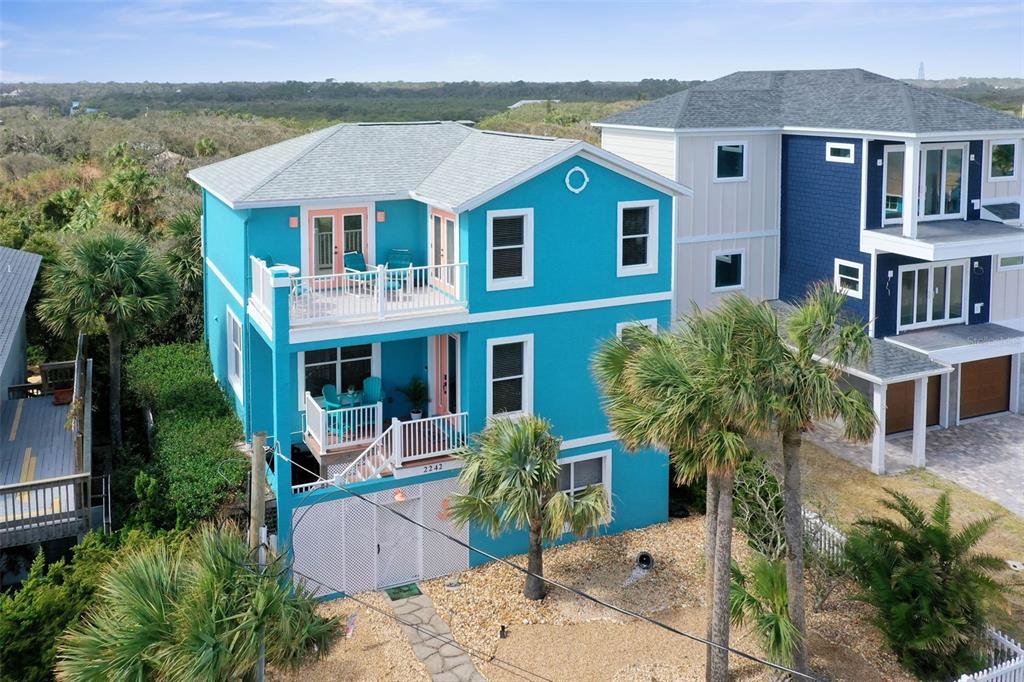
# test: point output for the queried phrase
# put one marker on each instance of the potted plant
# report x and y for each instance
(418, 394)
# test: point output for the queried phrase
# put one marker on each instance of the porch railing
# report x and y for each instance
(402, 443)
(342, 428)
(262, 287)
(377, 294)
(45, 510)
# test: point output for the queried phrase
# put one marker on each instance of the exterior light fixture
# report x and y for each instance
(293, 221)
(400, 495)
(381, 216)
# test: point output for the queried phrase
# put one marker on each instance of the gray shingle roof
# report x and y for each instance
(443, 161)
(832, 99)
(17, 274)
(1008, 211)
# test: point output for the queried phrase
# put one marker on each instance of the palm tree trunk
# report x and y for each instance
(534, 588)
(710, 526)
(794, 523)
(723, 558)
(114, 341)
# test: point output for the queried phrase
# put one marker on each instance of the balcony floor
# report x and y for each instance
(952, 231)
(34, 441)
(353, 306)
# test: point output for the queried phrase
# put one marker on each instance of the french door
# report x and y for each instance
(446, 373)
(941, 185)
(932, 294)
(333, 233)
(443, 240)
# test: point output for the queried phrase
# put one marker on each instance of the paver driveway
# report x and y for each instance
(985, 455)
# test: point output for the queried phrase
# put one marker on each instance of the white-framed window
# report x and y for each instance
(1011, 261)
(932, 294)
(577, 473)
(1002, 161)
(839, 152)
(730, 161)
(892, 183)
(943, 181)
(343, 367)
(510, 375)
(233, 330)
(727, 270)
(637, 251)
(509, 249)
(650, 323)
(848, 278)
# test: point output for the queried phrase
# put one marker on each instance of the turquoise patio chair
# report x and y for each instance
(372, 392)
(331, 400)
(399, 269)
(356, 269)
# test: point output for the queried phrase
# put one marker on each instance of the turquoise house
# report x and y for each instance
(347, 264)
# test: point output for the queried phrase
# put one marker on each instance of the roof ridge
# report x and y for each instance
(295, 159)
(445, 157)
(905, 96)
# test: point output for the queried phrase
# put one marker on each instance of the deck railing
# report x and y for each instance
(45, 510)
(262, 287)
(335, 429)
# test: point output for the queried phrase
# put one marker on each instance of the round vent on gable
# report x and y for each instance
(576, 180)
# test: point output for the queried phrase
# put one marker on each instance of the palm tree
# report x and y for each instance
(685, 393)
(192, 614)
(930, 587)
(130, 195)
(511, 481)
(761, 599)
(798, 371)
(107, 281)
(182, 249)
(205, 147)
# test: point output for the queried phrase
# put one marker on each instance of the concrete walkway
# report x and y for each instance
(430, 641)
(985, 456)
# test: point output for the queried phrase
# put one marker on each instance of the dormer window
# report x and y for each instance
(730, 161)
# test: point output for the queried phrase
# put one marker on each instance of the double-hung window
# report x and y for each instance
(576, 474)
(730, 161)
(510, 375)
(234, 343)
(343, 368)
(509, 249)
(1002, 161)
(848, 278)
(637, 238)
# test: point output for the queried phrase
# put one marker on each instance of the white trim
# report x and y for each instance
(886, 149)
(722, 143)
(832, 132)
(326, 332)
(988, 160)
(525, 279)
(969, 352)
(650, 267)
(527, 376)
(224, 280)
(586, 441)
(965, 149)
(256, 316)
(840, 146)
(569, 186)
(931, 267)
(235, 367)
(1009, 268)
(650, 322)
(873, 279)
(704, 238)
(742, 253)
(864, 156)
(606, 469)
(873, 240)
(859, 293)
(301, 368)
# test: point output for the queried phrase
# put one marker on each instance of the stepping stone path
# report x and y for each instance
(430, 640)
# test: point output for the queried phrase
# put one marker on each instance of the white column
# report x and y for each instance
(878, 442)
(920, 419)
(911, 161)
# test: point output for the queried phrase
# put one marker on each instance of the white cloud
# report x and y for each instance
(19, 77)
(253, 44)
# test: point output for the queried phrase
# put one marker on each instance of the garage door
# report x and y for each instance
(984, 387)
(899, 405)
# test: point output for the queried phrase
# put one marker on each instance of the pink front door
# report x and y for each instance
(444, 250)
(446, 374)
(333, 232)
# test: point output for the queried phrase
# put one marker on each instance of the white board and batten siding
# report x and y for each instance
(350, 545)
(991, 192)
(653, 149)
(1007, 295)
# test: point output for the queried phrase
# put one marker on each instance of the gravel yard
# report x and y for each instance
(568, 638)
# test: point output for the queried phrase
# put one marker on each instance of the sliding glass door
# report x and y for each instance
(942, 178)
(932, 294)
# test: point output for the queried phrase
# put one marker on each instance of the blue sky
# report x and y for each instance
(369, 40)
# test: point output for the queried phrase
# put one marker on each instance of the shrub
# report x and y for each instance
(761, 599)
(195, 466)
(929, 586)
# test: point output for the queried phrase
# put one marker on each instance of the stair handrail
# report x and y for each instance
(386, 433)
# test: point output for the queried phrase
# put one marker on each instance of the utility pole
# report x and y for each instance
(258, 487)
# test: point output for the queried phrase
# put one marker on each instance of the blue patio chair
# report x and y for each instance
(331, 400)
(399, 268)
(372, 392)
(356, 270)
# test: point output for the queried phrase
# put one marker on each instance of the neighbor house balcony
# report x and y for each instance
(357, 297)
(939, 240)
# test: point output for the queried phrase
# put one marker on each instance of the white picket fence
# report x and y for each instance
(1005, 655)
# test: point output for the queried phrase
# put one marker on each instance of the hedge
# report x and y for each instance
(195, 465)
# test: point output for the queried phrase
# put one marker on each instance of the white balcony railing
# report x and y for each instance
(342, 428)
(262, 287)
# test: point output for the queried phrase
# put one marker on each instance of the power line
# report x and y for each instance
(550, 581)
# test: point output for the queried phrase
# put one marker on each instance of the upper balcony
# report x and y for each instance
(358, 297)
(939, 240)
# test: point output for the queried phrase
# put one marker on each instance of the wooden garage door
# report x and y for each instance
(984, 387)
(899, 405)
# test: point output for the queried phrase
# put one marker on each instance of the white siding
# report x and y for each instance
(721, 208)
(695, 272)
(1007, 294)
(1001, 190)
(654, 150)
